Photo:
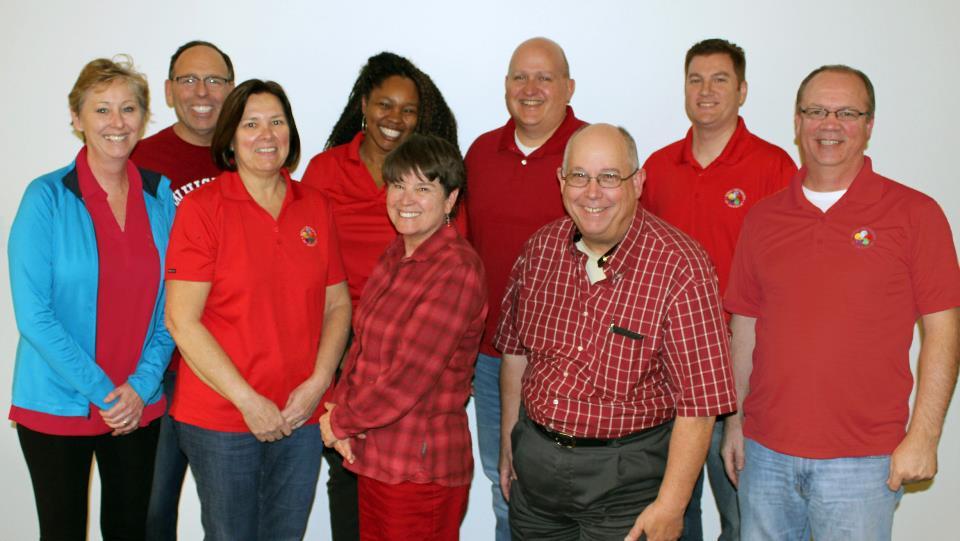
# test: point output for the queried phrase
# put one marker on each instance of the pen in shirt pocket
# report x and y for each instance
(616, 329)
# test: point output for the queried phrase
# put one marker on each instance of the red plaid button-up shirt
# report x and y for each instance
(634, 350)
(407, 378)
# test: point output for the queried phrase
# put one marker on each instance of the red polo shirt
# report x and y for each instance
(836, 296)
(709, 204)
(510, 196)
(359, 210)
(269, 280)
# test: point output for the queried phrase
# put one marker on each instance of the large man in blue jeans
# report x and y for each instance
(513, 192)
(828, 279)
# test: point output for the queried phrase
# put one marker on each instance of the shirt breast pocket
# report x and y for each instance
(621, 360)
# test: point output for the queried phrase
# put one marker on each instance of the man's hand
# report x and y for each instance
(302, 402)
(658, 522)
(915, 459)
(507, 474)
(731, 448)
(264, 420)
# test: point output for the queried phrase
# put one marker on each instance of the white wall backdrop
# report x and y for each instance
(626, 57)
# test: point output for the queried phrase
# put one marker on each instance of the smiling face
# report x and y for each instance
(111, 121)
(418, 208)
(602, 215)
(833, 150)
(713, 95)
(538, 89)
(197, 106)
(391, 111)
(262, 140)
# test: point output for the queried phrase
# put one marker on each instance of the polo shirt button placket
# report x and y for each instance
(523, 161)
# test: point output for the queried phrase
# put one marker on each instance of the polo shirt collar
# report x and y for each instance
(865, 189)
(732, 152)
(554, 145)
(353, 150)
(231, 186)
(429, 248)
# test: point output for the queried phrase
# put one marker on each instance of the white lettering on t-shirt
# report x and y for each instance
(180, 192)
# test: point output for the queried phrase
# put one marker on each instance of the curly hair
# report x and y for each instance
(434, 116)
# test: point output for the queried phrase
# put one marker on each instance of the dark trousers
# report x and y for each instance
(342, 495)
(585, 492)
(60, 471)
(169, 471)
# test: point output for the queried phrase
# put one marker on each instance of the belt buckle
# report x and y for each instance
(565, 441)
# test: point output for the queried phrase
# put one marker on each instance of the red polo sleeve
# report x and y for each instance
(192, 252)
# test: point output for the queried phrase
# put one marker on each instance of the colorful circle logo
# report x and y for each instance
(308, 235)
(735, 198)
(864, 237)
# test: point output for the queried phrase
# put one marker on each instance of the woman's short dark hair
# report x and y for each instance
(433, 115)
(232, 113)
(433, 159)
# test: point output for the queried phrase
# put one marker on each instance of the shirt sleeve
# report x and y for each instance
(192, 253)
(30, 252)
(507, 338)
(743, 291)
(696, 352)
(934, 271)
(335, 272)
(153, 362)
(432, 335)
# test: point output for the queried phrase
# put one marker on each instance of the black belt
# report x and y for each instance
(569, 442)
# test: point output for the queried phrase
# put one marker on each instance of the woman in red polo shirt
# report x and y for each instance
(390, 99)
(399, 417)
(260, 310)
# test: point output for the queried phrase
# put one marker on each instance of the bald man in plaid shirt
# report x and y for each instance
(613, 336)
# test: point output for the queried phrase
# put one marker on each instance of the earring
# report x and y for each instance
(446, 219)
(363, 124)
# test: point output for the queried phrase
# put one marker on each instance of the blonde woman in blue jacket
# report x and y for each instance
(86, 258)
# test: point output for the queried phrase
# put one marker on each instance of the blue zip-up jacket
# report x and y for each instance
(54, 272)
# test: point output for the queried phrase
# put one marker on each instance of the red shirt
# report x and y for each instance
(632, 351)
(510, 196)
(709, 204)
(126, 294)
(269, 280)
(836, 296)
(187, 166)
(359, 210)
(407, 378)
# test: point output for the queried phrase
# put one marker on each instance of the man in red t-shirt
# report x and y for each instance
(511, 172)
(199, 78)
(828, 280)
(704, 184)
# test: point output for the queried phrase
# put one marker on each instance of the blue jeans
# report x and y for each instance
(251, 490)
(169, 470)
(724, 495)
(788, 498)
(486, 399)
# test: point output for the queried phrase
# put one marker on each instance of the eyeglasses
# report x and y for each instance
(843, 115)
(607, 179)
(210, 80)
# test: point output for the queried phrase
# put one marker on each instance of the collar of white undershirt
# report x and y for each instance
(524, 149)
(822, 200)
(594, 270)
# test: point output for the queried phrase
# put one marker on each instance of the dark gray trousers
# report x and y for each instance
(583, 493)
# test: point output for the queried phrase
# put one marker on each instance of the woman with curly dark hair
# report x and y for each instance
(390, 100)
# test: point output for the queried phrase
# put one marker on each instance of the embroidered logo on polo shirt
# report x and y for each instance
(308, 235)
(735, 198)
(864, 237)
